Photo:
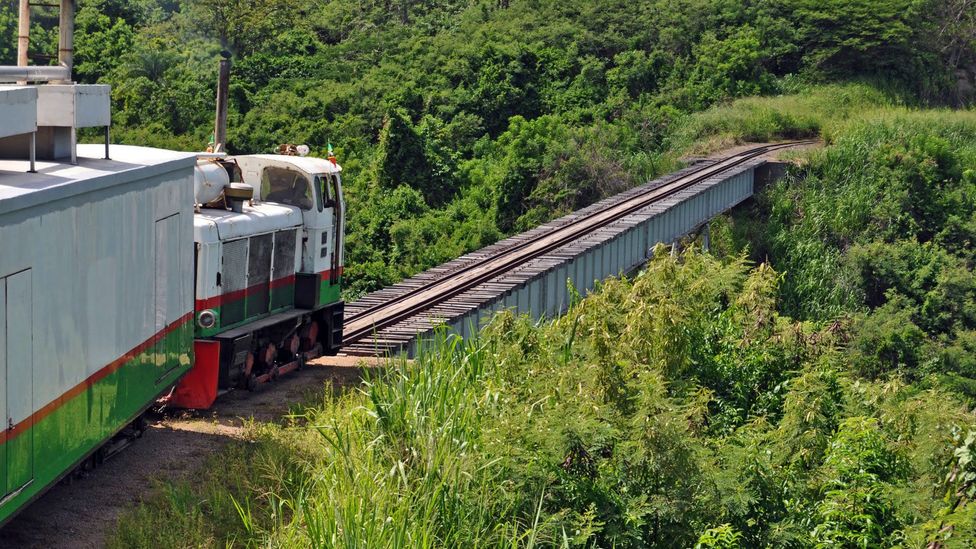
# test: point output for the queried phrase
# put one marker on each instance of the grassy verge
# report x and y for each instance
(811, 112)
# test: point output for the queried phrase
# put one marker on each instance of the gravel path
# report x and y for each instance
(81, 513)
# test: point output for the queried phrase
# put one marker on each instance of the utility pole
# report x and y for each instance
(66, 34)
(223, 91)
(23, 35)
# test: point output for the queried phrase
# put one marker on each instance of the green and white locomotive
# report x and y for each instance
(268, 253)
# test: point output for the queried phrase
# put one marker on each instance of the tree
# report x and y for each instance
(853, 37)
(101, 42)
(857, 510)
(523, 147)
(243, 26)
(8, 35)
(412, 156)
(956, 30)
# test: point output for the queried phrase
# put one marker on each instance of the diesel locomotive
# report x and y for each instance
(268, 233)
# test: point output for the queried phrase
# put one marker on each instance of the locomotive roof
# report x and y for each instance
(60, 180)
(309, 164)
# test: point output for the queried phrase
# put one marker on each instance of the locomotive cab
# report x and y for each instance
(314, 186)
(268, 271)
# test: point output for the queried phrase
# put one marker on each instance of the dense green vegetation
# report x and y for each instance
(820, 399)
(458, 122)
(808, 385)
(888, 244)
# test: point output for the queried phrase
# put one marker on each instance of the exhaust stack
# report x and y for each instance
(220, 121)
(66, 37)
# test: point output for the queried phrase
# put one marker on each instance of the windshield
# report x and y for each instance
(286, 186)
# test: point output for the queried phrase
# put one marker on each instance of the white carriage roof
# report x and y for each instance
(59, 180)
(210, 225)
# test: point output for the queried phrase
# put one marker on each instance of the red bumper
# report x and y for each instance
(198, 388)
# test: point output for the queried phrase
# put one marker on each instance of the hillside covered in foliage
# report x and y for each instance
(809, 383)
(460, 121)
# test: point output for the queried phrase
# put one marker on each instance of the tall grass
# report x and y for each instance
(806, 114)
(655, 411)
(396, 462)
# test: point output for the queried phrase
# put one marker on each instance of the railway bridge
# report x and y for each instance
(533, 272)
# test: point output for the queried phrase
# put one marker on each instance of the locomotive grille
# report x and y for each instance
(233, 279)
(284, 266)
(259, 274)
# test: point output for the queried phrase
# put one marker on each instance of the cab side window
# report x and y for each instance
(326, 191)
(286, 186)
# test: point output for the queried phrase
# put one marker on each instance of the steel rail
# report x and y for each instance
(415, 301)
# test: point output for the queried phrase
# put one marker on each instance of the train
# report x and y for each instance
(133, 277)
(268, 255)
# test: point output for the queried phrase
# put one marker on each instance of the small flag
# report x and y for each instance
(332, 157)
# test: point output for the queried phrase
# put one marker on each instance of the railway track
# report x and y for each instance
(401, 303)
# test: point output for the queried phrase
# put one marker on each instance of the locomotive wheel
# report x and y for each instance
(248, 364)
(293, 344)
(311, 336)
(268, 353)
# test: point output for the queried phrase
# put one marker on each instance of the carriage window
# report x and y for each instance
(286, 186)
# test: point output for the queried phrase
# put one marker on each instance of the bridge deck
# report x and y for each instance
(539, 287)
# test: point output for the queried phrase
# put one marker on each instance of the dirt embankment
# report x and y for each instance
(82, 512)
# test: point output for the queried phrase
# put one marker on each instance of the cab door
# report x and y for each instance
(320, 231)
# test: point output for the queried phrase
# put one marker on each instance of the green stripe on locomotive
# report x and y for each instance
(329, 292)
(282, 299)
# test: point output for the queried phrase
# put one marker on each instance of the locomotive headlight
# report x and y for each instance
(207, 319)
